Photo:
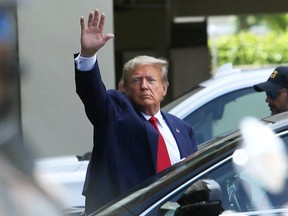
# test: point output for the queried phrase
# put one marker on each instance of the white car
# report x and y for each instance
(68, 174)
(213, 107)
(217, 105)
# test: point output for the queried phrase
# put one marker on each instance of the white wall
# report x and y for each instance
(53, 118)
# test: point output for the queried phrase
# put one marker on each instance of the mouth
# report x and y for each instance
(146, 96)
(272, 110)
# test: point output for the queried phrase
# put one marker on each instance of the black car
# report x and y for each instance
(209, 183)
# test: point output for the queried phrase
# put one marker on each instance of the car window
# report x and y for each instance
(235, 191)
(224, 113)
(242, 193)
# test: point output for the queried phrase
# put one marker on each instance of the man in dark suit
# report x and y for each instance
(125, 150)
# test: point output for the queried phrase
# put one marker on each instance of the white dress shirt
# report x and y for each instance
(169, 139)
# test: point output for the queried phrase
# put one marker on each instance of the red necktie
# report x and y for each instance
(163, 160)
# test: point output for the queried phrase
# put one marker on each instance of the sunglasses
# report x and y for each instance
(274, 94)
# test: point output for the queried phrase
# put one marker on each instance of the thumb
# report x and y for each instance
(108, 36)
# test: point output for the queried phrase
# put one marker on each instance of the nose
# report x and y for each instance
(144, 84)
(268, 100)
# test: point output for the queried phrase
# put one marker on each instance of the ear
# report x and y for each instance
(165, 88)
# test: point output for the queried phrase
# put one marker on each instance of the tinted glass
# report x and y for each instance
(223, 114)
(241, 192)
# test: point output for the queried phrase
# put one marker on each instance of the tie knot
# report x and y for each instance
(153, 120)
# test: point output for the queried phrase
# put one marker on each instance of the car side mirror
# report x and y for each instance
(204, 197)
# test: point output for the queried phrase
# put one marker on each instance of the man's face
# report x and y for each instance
(278, 101)
(146, 89)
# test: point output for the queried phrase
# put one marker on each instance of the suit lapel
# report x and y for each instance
(177, 133)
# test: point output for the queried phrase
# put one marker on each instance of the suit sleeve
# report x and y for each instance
(93, 94)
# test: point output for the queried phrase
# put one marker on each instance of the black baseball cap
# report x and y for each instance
(277, 80)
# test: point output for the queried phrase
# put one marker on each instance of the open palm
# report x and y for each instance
(92, 38)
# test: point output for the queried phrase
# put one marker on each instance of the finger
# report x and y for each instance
(82, 23)
(102, 21)
(90, 18)
(96, 17)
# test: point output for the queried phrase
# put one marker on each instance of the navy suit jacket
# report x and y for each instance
(125, 143)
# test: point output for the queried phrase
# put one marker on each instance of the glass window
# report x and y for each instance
(224, 113)
(241, 192)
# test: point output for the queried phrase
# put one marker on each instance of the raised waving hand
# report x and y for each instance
(92, 38)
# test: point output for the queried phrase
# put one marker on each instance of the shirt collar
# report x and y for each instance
(158, 115)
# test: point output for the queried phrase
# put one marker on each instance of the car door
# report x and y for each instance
(240, 193)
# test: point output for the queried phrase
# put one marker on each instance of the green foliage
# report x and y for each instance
(276, 22)
(246, 48)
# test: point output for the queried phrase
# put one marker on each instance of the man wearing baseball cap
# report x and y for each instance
(276, 88)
